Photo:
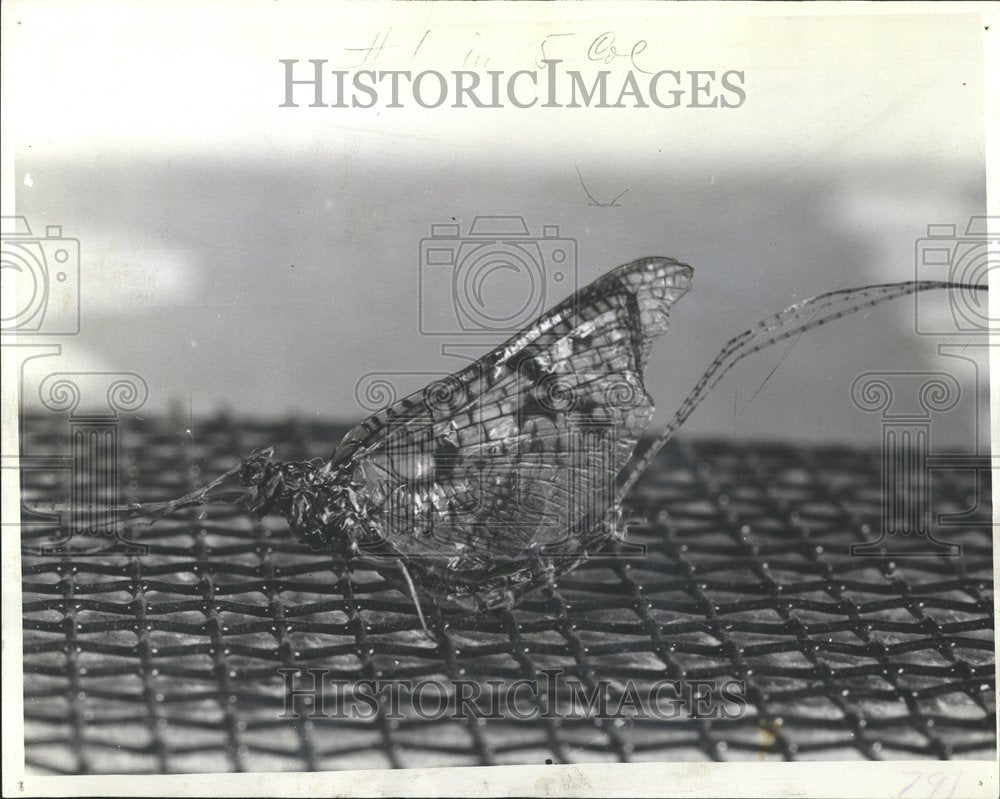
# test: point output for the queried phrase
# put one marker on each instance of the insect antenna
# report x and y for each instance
(794, 320)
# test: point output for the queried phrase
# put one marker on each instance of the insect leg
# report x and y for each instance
(547, 571)
(413, 594)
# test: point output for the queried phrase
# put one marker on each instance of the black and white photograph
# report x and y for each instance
(499, 399)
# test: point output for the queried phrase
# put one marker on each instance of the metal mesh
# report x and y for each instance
(168, 662)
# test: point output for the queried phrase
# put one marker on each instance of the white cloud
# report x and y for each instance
(126, 271)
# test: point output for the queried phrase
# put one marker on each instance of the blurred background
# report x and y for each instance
(277, 261)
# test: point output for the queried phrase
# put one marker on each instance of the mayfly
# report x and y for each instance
(512, 471)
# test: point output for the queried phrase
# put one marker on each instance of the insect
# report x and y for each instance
(511, 472)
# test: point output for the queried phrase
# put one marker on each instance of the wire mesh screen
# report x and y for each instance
(181, 659)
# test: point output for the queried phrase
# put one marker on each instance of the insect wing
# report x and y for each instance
(507, 455)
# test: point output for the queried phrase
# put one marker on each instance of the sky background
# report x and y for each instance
(262, 259)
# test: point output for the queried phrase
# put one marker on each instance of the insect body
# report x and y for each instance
(512, 471)
(503, 475)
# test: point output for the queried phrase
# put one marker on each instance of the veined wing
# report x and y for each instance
(509, 453)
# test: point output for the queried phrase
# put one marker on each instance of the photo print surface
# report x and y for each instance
(435, 385)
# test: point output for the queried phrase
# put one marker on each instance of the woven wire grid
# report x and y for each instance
(169, 661)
